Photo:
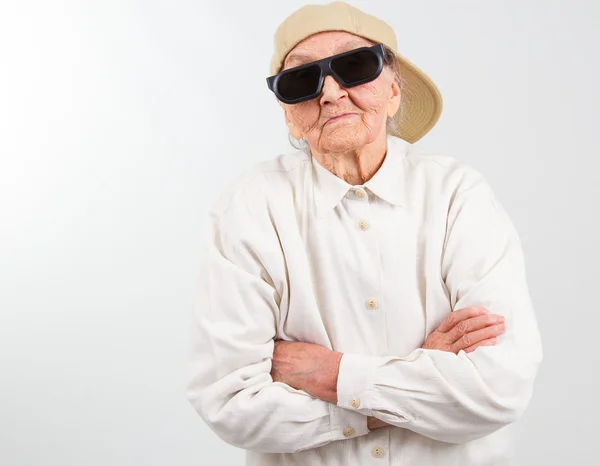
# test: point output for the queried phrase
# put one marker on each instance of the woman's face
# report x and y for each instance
(340, 119)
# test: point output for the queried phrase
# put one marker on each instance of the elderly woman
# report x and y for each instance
(363, 303)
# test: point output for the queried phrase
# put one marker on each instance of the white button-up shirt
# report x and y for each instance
(296, 253)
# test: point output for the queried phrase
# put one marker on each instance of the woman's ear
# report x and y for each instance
(292, 128)
(394, 102)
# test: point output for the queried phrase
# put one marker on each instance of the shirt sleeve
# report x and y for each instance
(460, 397)
(232, 341)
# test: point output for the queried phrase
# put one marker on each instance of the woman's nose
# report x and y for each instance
(332, 91)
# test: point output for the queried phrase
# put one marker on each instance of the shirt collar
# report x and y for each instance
(387, 183)
(328, 188)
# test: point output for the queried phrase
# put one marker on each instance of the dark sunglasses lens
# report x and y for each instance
(356, 66)
(297, 84)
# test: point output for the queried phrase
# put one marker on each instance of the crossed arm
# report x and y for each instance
(314, 368)
(269, 396)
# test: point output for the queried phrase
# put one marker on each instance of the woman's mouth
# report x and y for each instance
(341, 117)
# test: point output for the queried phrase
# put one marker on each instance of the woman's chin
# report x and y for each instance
(343, 138)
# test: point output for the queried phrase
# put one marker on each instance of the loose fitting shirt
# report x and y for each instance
(296, 253)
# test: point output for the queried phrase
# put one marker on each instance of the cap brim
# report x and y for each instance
(421, 103)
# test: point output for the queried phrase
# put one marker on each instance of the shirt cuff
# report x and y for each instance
(346, 424)
(355, 383)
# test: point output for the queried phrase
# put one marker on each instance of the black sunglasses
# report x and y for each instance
(349, 69)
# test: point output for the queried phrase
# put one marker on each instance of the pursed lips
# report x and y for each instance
(339, 117)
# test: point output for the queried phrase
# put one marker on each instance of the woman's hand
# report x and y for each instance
(466, 329)
(307, 366)
(373, 423)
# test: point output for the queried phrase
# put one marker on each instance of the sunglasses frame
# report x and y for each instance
(325, 66)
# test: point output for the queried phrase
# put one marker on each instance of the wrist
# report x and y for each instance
(323, 381)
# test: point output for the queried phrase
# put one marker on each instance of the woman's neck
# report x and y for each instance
(357, 166)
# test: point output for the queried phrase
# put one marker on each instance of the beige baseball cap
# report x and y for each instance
(421, 100)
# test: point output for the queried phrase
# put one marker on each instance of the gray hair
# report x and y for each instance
(392, 62)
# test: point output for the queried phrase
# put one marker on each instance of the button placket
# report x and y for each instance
(362, 209)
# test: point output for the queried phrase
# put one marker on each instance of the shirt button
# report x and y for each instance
(349, 432)
(372, 303)
(363, 225)
(360, 192)
(355, 403)
(377, 452)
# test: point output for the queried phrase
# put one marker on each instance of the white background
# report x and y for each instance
(121, 121)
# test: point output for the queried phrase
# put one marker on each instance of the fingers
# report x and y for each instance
(472, 324)
(472, 338)
(458, 316)
(488, 342)
(466, 329)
